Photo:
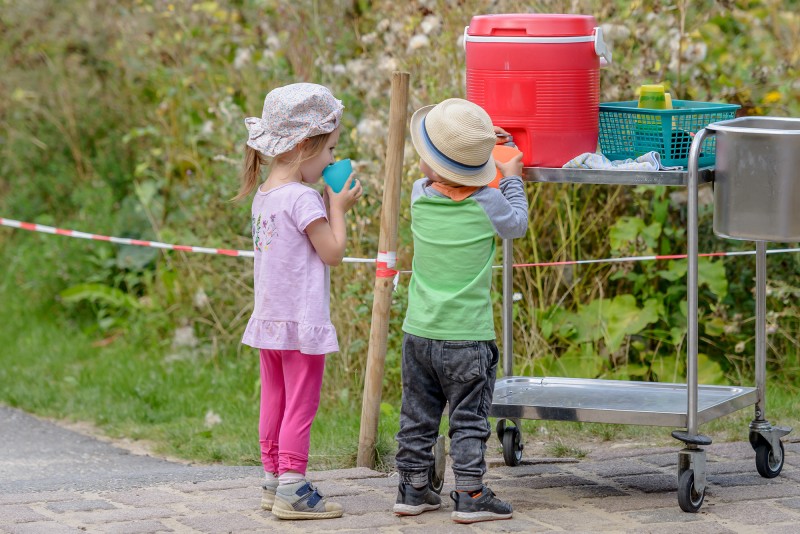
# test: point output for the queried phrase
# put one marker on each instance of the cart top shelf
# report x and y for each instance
(614, 177)
(612, 401)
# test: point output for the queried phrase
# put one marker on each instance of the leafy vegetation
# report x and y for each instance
(125, 118)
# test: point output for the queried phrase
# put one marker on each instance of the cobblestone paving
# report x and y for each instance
(611, 490)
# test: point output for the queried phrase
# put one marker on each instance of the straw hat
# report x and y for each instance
(455, 138)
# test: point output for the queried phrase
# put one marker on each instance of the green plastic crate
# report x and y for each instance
(627, 131)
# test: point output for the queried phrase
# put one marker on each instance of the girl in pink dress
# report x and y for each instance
(295, 240)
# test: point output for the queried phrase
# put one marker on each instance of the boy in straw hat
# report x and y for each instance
(449, 353)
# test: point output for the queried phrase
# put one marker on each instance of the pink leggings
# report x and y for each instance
(290, 388)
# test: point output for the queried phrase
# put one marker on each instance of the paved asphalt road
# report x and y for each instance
(37, 455)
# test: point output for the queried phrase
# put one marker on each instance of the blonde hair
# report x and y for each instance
(254, 160)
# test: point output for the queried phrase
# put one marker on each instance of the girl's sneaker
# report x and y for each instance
(477, 506)
(268, 494)
(301, 500)
(413, 501)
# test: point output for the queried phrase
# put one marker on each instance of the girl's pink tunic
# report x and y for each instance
(292, 284)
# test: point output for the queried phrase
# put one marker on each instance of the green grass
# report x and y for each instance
(559, 449)
(134, 385)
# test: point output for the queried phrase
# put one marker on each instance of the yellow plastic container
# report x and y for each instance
(653, 97)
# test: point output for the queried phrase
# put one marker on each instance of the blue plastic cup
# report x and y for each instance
(336, 174)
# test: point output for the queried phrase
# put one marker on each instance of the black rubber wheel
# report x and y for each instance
(512, 446)
(688, 498)
(767, 464)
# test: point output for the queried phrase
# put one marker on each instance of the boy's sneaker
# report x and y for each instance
(301, 500)
(268, 494)
(478, 506)
(413, 501)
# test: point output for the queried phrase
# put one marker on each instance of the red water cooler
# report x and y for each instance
(538, 77)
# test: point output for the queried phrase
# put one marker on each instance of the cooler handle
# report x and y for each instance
(600, 47)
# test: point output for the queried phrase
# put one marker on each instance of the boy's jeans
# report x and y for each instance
(435, 372)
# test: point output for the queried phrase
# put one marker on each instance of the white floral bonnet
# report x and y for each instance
(292, 113)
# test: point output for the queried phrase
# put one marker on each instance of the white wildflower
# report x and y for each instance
(695, 52)
(273, 42)
(417, 42)
(370, 128)
(226, 108)
(200, 298)
(212, 419)
(383, 25)
(207, 129)
(267, 55)
(674, 41)
(615, 32)
(184, 337)
(516, 297)
(357, 68)
(430, 24)
(387, 63)
(242, 59)
(265, 28)
(772, 328)
(230, 161)
(369, 38)
(739, 348)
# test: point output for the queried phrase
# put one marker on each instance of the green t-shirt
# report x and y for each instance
(449, 293)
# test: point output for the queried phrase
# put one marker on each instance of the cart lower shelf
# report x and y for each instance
(613, 401)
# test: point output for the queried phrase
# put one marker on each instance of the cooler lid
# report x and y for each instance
(531, 25)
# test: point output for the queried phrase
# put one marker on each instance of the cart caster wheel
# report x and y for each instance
(768, 461)
(436, 471)
(688, 498)
(512, 446)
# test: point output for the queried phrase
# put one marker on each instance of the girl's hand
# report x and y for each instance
(512, 167)
(345, 199)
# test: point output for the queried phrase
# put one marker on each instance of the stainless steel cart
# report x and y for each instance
(685, 406)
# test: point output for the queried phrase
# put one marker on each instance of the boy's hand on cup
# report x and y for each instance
(502, 135)
(512, 167)
(346, 198)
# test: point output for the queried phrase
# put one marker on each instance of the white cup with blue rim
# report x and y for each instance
(336, 174)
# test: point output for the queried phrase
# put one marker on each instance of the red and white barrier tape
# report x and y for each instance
(120, 240)
(385, 261)
(33, 227)
(385, 265)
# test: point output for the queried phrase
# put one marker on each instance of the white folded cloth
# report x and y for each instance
(650, 161)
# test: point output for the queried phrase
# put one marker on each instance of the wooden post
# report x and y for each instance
(384, 285)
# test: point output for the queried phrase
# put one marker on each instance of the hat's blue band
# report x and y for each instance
(461, 166)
